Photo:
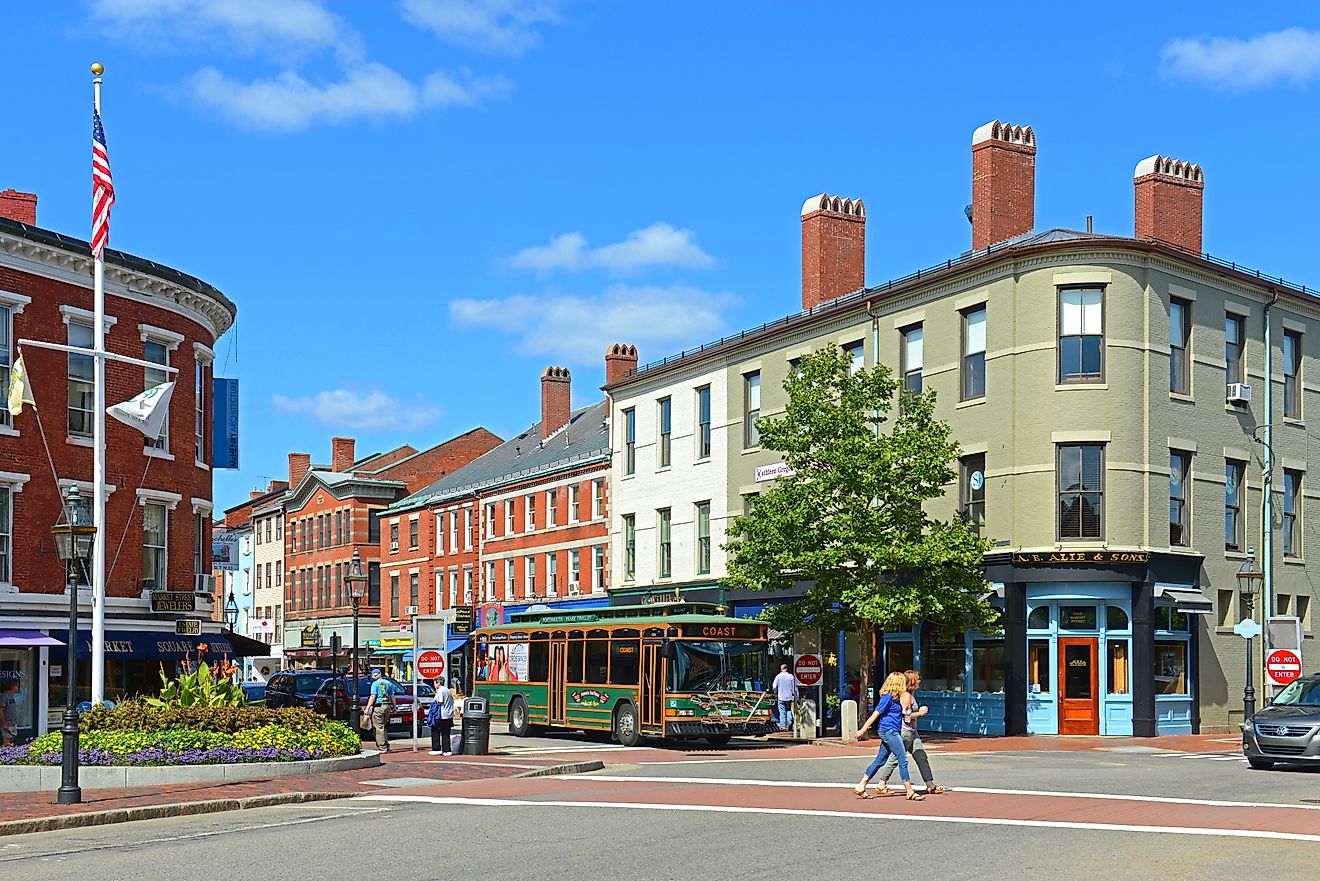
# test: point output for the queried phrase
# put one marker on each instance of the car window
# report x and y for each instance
(1300, 693)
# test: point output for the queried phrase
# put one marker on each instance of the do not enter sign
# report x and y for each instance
(1283, 666)
(807, 669)
(430, 665)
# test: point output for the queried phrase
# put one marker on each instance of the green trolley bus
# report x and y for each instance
(672, 671)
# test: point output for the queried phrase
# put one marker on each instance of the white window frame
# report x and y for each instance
(453, 530)
(574, 500)
(453, 588)
(488, 589)
(551, 504)
(529, 575)
(490, 521)
(598, 499)
(439, 533)
(162, 569)
(597, 568)
(467, 585)
(529, 513)
(510, 522)
(71, 379)
(169, 341)
(575, 568)
(10, 483)
(510, 588)
(552, 574)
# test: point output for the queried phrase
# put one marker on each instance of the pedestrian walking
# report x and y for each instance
(888, 719)
(379, 705)
(440, 719)
(911, 741)
(9, 711)
(783, 687)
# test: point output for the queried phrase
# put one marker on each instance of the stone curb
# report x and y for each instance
(574, 768)
(154, 812)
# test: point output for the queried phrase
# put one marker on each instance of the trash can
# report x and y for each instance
(476, 726)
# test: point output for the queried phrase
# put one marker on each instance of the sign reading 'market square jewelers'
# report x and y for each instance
(173, 601)
(1049, 557)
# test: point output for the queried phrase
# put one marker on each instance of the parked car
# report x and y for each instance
(1288, 729)
(254, 692)
(322, 691)
(402, 715)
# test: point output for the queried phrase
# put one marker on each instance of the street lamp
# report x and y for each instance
(231, 612)
(1249, 578)
(357, 592)
(74, 537)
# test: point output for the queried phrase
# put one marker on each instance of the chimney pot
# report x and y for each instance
(556, 395)
(299, 465)
(1003, 183)
(620, 362)
(1168, 195)
(19, 206)
(342, 454)
(254, 494)
(833, 248)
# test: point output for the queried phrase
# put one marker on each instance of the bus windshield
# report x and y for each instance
(697, 666)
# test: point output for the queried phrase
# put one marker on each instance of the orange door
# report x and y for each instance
(1079, 692)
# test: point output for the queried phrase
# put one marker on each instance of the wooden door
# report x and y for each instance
(1079, 685)
(652, 697)
(558, 669)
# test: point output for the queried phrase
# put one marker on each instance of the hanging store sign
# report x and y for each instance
(173, 601)
(188, 627)
(770, 472)
(1049, 557)
(462, 624)
(224, 423)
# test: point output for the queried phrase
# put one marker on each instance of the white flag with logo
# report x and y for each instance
(145, 412)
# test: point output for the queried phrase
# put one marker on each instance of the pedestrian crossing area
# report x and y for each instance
(1209, 757)
(578, 748)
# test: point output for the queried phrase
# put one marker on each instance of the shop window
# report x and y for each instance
(988, 665)
(625, 665)
(1038, 665)
(1118, 666)
(1171, 620)
(1077, 617)
(1171, 667)
(1039, 619)
(898, 657)
(1116, 618)
(943, 667)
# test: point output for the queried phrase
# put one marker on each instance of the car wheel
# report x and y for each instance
(1259, 764)
(625, 726)
(518, 726)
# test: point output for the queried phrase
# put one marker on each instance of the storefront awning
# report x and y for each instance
(27, 639)
(147, 646)
(1185, 598)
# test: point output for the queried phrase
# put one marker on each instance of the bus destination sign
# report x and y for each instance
(723, 631)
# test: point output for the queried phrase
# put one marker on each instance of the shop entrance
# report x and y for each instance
(1079, 692)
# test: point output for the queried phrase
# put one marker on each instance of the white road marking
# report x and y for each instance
(861, 815)
(584, 748)
(807, 784)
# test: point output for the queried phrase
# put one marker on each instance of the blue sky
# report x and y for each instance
(419, 204)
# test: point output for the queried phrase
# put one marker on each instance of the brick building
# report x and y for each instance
(158, 509)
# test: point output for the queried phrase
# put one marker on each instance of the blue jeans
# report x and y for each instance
(785, 709)
(891, 744)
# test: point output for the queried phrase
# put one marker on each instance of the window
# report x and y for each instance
(412, 588)
(1292, 374)
(509, 527)
(598, 568)
(1179, 466)
(394, 538)
(943, 665)
(439, 533)
(597, 659)
(1119, 667)
(664, 525)
(529, 576)
(1038, 666)
(630, 441)
(488, 589)
(703, 538)
(1081, 335)
(199, 535)
(988, 665)
(625, 663)
(413, 537)
(467, 585)
(279, 573)
(279, 528)
(973, 490)
(1171, 667)
(1292, 495)
(629, 546)
(1081, 491)
(912, 356)
(551, 507)
(155, 542)
(552, 574)
(157, 353)
(1234, 472)
(1234, 334)
(574, 503)
(751, 409)
(81, 377)
(394, 596)
(574, 569)
(199, 411)
(6, 361)
(973, 359)
(453, 587)
(488, 528)
(1116, 618)
(508, 579)
(703, 422)
(1180, 335)
(597, 499)
(467, 528)
(856, 353)
(665, 428)
(529, 508)
(453, 531)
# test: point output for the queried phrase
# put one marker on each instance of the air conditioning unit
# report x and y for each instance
(1239, 393)
(573, 589)
(394, 547)
(204, 583)
(410, 611)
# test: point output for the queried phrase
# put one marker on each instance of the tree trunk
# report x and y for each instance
(866, 639)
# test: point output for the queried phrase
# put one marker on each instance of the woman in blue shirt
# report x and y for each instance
(888, 719)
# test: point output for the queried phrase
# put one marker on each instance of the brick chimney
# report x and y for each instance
(255, 494)
(299, 465)
(341, 454)
(556, 383)
(276, 484)
(833, 248)
(1169, 195)
(1003, 183)
(620, 362)
(19, 206)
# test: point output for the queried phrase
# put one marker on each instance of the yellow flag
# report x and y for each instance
(19, 393)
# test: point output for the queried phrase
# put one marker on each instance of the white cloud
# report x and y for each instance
(364, 411)
(657, 245)
(503, 26)
(368, 91)
(1289, 56)
(576, 329)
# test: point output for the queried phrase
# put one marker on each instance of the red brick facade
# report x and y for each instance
(1168, 201)
(833, 248)
(417, 470)
(1003, 183)
(19, 206)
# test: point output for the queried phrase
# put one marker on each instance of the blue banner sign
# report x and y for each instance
(224, 425)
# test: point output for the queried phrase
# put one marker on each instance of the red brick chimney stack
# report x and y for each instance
(341, 454)
(833, 248)
(19, 206)
(299, 465)
(556, 387)
(620, 362)
(1003, 183)
(1168, 195)
(255, 494)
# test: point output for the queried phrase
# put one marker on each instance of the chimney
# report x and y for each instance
(299, 465)
(255, 494)
(1003, 183)
(1169, 195)
(620, 362)
(19, 206)
(341, 454)
(555, 406)
(276, 484)
(833, 248)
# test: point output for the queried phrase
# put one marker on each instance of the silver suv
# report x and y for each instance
(1288, 730)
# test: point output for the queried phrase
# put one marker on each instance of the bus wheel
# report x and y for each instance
(718, 739)
(518, 726)
(625, 725)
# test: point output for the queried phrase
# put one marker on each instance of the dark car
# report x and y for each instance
(254, 692)
(402, 693)
(1288, 730)
(322, 691)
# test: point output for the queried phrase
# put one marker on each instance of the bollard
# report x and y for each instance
(804, 719)
(848, 717)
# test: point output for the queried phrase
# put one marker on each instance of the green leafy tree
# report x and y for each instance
(851, 520)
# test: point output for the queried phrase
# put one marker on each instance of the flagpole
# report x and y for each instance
(98, 452)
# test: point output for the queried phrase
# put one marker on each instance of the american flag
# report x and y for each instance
(103, 189)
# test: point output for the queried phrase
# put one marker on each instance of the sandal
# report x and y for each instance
(915, 796)
(932, 789)
(883, 790)
(862, 793)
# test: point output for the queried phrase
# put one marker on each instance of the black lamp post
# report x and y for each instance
(74, 536)
(357, 592)
(1249, 578)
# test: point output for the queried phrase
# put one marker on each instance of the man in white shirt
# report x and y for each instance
(783, 687)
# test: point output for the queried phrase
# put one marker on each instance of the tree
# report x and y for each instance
(850, 517)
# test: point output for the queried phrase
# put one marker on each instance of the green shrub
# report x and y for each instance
(139, 715)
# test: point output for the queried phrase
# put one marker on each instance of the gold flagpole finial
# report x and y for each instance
(97, 68)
